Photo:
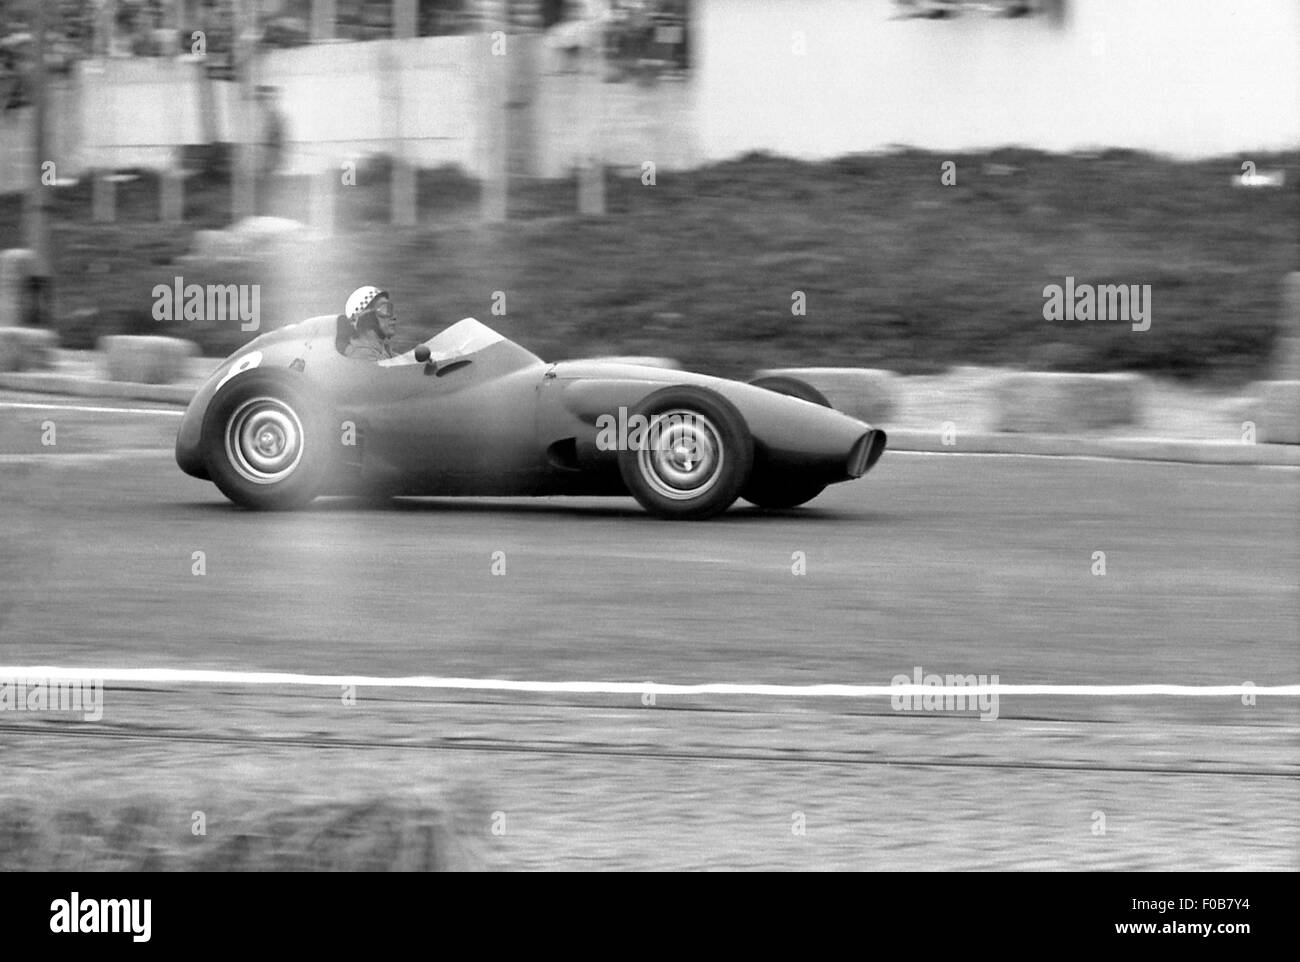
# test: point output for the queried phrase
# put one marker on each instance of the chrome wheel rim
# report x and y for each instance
(681, 457)
(264, 440)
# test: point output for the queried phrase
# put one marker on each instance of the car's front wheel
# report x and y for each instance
(692, 456)
(266, 442)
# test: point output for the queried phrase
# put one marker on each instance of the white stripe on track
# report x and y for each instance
(1109, 458)
(84, 457)
(88, 408)
(205, 677)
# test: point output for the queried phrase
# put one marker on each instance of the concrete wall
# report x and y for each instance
(345, 100)
(130, 112)
(1180, 77)
(421, 99)
(340, 101)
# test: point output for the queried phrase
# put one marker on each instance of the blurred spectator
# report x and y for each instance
(136, 29)
(271, 130)
(14, 51)
(69, 31)
(643, 38)
(574, 29)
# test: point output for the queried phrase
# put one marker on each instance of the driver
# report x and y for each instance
(374, 321)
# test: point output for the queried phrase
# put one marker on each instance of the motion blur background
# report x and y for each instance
(640, 175)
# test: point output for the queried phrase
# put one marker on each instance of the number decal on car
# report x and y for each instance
(245, 363)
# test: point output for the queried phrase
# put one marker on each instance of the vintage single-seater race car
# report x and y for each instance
(288, 418)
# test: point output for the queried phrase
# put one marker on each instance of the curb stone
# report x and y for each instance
(145, 359)
(1035, 402)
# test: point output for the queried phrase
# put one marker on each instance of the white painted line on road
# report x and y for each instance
(207, 677)
(88, 409)
(1110, 458)
(84, 457)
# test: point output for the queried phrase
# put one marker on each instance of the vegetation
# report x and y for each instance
(898, 270)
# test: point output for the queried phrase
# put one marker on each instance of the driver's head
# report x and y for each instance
(369, 308)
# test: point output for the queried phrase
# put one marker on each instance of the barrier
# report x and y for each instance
(1059, 403)
(146, 360)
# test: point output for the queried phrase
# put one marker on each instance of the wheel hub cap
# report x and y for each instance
(682, 456)
(264, 440)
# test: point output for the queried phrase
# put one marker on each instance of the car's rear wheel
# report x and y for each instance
(266, 440)
(770, 488)
(693, 457)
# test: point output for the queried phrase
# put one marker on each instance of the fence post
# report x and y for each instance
(325, 182)
(243, 182)
(1286, 356)
(171, 186)
(322, 20)
(402, 190)
(493, 203)
(591, 174)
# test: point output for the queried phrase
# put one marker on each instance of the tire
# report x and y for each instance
(773, 490)
(695, 457)
(792, 387)
(266, 441)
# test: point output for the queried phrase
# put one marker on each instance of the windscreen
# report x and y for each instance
(464, 337)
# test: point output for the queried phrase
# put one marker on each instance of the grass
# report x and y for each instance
(147, 834)
(898, 271)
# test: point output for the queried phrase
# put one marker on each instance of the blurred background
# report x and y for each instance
(662, 176)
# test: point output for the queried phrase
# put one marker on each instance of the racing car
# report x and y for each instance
(288, 418)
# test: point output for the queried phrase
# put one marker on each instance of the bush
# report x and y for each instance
(897, 270)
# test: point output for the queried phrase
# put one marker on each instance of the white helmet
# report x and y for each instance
(359, 300)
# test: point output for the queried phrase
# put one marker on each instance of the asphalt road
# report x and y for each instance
(958, 564)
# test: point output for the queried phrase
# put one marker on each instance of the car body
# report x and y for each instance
(289, 417)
